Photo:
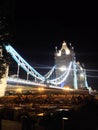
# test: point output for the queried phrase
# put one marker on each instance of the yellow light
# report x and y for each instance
(40, 114)
(19, 90)
(67, 88)
(41, 89)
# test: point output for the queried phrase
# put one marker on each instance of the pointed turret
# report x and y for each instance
(64, 47)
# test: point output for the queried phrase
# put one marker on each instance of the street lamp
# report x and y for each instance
(63, 122)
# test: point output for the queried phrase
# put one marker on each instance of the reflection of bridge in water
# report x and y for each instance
(65, 72)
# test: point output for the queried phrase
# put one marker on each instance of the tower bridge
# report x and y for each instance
(66, 71)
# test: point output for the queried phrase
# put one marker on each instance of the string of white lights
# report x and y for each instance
(50, 72)
(21, 62)
(61, 78)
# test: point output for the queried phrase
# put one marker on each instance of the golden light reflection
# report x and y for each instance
(40, 114)
(18, 90)
(40, 89)
(67, 88)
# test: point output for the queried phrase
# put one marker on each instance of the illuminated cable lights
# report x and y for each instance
(46, 78)
(21, 62)
(61, 78)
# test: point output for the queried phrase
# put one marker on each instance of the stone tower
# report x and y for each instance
(76, 76)
(63, 58)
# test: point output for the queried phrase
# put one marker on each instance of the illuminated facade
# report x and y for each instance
(77, 76)
(65, 72)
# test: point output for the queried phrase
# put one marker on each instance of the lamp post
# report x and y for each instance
(63, 122)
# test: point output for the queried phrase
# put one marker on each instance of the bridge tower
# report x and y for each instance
(63, 57)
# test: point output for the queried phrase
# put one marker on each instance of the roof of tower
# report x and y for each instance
(64, 47)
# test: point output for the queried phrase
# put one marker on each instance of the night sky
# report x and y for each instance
(40, 26)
